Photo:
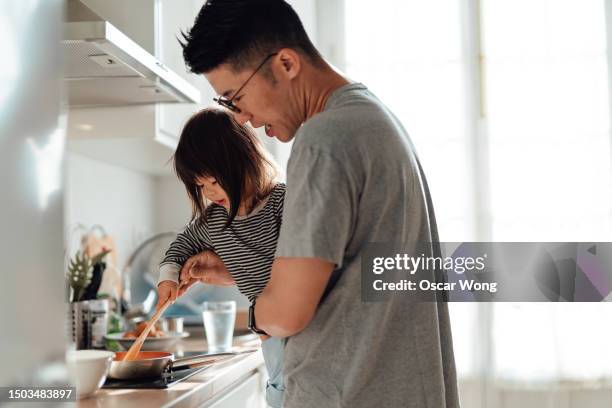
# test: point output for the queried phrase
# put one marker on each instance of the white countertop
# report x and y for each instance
(191, 392)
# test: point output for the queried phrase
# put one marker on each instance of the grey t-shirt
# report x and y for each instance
(353, 177)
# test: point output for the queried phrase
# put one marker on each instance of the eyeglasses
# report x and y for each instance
(229, 103)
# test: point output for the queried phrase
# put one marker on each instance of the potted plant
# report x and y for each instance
(88, 314)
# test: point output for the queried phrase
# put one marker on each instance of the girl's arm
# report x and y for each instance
(193, 240)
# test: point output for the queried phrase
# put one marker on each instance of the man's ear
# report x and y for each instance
(290, 63)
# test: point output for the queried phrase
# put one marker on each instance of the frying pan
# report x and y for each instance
(154, 364)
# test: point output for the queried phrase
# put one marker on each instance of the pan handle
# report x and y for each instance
(206, 359)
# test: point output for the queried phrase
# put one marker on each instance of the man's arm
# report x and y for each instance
(289, 301)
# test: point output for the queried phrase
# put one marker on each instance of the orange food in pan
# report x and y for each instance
(143, 355)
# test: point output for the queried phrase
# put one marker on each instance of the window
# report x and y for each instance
(540, 107)
(409, 53)
(548, 120)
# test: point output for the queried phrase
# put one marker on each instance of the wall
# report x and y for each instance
(173, 209)
(121, 200)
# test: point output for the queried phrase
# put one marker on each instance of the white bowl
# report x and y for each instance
(88, 369)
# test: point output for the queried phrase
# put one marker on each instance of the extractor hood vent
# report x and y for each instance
(103, 67)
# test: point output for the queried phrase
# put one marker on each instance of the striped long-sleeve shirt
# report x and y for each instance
(246, 247)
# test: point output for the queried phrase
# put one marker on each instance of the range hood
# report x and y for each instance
(103, 67)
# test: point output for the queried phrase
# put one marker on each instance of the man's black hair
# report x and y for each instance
(242, 32)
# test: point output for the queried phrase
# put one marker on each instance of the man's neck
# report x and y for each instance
(321, 84)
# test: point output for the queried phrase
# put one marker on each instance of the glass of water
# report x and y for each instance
(219, 320)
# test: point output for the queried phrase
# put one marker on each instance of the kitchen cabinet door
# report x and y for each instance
(248, 393)
(172, 18)
(138, 137)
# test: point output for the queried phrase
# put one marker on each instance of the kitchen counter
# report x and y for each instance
(214, 387)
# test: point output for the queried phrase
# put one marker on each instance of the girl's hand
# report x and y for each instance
(206, 267)
(166, 290)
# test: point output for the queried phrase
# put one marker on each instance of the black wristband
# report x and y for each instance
(251, 323)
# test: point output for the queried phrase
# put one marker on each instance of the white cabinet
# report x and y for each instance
(246, 393)
(174, 17)
(140, 137)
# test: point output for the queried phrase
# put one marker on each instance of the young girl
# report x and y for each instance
(236, 213)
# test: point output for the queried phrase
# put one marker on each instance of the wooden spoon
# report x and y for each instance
(132, 353)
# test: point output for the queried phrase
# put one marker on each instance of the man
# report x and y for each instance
(353, 177)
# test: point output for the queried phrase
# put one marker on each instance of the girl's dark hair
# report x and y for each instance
(213, 144)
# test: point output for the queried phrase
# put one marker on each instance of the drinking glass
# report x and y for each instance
(219, 320)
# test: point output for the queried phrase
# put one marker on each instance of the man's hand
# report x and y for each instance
(166, 290)
(184, 287)
(205, 267)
